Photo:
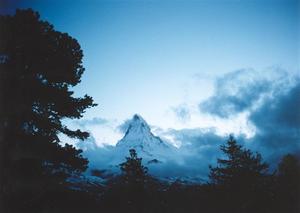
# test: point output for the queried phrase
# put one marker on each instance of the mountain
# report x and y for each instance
(138, 136)
(163, 160)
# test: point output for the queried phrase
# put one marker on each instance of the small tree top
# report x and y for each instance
(240, 164)
(132, 168)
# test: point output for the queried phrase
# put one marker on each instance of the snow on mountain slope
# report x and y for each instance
(163, 160)
(138, 136)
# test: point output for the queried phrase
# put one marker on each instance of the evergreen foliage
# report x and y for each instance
(133, 170)
(240, 166)
(39, 66)
(288, 184)
(241, 177)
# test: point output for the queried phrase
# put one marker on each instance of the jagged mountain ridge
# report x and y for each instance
(138, 136)
(164, 160)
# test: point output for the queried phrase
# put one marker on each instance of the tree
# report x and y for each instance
(133, 180)
(289, 166)
(241, 178)
(240, 163)
(288, 190)
(39, 66)
(133, 170)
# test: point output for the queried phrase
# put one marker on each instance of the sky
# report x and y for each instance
(191, 69)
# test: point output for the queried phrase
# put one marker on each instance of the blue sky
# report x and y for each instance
(167, 60)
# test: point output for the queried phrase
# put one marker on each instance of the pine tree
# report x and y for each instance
(133, 170)
(39, 66)
(240, 180)
(288, 190)
(240, 164)
(134, 179)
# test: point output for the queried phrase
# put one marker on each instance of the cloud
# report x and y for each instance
(88, 144)
(283, 111)
(182, 112)
(93, 121)
(124, 126)
(270, 100)
(241, 90)
(278, 124)
(103, 130)
(200, 147)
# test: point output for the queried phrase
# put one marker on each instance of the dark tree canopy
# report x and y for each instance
(289, 166)
(241, 180)
(132, 169)
(288, 189)
(240, 164)
(38, 68)
(133, 183)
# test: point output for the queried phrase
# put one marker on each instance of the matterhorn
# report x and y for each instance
(138, 136)
(163, 160)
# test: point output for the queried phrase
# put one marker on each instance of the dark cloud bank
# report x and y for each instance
(272, 100)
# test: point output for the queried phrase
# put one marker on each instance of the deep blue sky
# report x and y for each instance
(161, 59)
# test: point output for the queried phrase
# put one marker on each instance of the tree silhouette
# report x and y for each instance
(133, 170)
(241, 177)
(134, 178)
(240, 163)
(288, 189)
(39, 66)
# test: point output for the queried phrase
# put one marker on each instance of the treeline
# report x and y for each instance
(240, 183)
(39, 66)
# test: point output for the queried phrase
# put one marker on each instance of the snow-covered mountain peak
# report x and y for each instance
(139, 136)
(137, 126)
(156, 154)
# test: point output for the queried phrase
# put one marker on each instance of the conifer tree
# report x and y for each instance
(39, 67)
(288, 189)
(133, 170)
(238, 166)
(240, 180)
(134, 179)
